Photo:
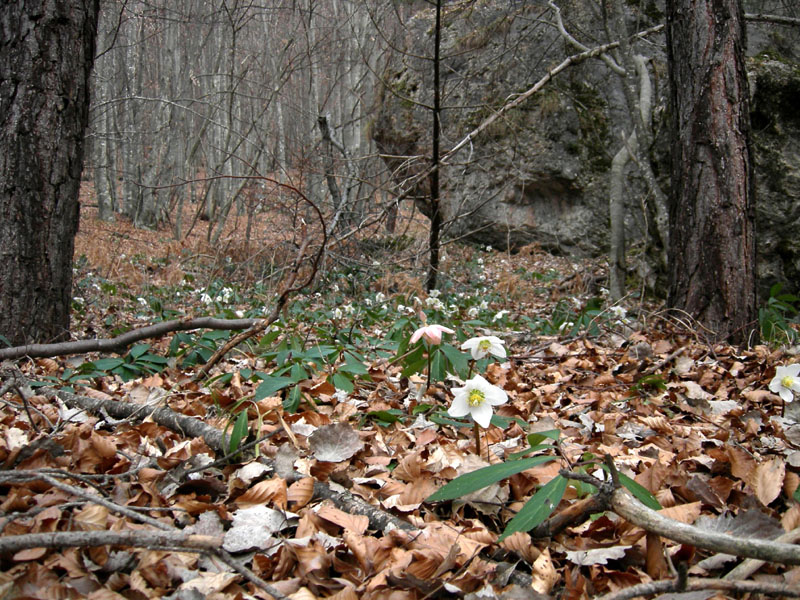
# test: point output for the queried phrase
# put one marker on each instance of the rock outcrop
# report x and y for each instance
(541, 172)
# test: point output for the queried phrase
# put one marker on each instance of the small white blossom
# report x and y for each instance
(488, 248)
(240, 313)
(483, 305)
(786, 382)
(337, 313)
(566, 325)
(205, 298)
(476, 399)
(335, 287)
(348, 309)
(473, 311)
(434, 293)
(380, 297)
(479, 261)
(483, 345)
(618, 311)
(500, 315)
(368, 301)
(401, 308)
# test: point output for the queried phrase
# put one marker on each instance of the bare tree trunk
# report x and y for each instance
(712, 242)
(47, 50)
(436, 215)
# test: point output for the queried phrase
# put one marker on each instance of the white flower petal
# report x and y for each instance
(460, 407)
(482, 414)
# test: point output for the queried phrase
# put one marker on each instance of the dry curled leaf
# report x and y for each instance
(334, 443)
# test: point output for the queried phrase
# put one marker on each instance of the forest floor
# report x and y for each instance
(330, 500)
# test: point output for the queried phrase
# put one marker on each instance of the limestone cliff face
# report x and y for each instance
(541, 172)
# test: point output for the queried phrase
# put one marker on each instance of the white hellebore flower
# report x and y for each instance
(618, 311)
(786, 382)
(431, 333)
(476, 399)
(337, 313)
(483, 345)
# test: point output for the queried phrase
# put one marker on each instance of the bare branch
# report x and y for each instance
(124, 340)
(637, 513)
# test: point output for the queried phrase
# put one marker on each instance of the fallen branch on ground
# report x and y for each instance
(123, 341)
(696, 584)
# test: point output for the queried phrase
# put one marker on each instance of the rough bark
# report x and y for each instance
(712, 213)
(46, 54)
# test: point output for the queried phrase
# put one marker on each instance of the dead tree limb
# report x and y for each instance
(695, 584)
(174, 539)
(637, 513)
(122, 341)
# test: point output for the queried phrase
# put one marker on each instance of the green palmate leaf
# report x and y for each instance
(138, 350)
(271, 385)
(470, 482)
(438, 366)
(298, 373)
(534, 439)
(639, 492)
(239, 431)
(342, 382)
(537, 448)
(440, 419)
(107, 364)
(538, 508)
(458, 359)
(353, 365)
(388, 416)
(292, 401)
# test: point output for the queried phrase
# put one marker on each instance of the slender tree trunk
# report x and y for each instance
(712, 241)
(436, 215)
(46, 54)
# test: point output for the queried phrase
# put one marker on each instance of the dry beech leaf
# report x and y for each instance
(655, 562)
(272, 490)
(334, 443)
(303, 594)
(596, 556)
(544, 575)
(92, 517)
(96, 394)
(301, 492)
(791, 518)
(742, 464)
(30, 554)
(685, 513)
(791, 482)
(209, 583)
(520, 544)
(768, 480)
(356, 523)
(253, 527)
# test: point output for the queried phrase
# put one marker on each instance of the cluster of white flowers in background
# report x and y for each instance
(224, 296)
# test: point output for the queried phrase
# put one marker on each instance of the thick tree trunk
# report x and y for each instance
(712, 239)
(46, 54)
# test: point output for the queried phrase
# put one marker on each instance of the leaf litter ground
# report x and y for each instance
(694, 424)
